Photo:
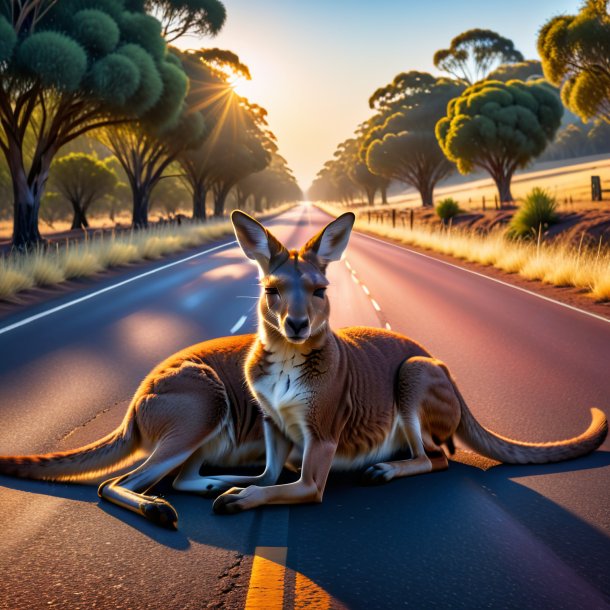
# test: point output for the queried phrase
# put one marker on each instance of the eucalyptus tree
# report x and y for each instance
(575, 52)
(473, 54)
(237, 142)
(500, 127)
(82, 180)
(67, 68)
(530, 69)
(401, 143)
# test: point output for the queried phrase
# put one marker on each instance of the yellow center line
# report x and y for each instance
(267, 583)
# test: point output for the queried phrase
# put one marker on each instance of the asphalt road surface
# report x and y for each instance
(504, 537)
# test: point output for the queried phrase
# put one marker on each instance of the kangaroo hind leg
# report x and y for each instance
(183, 408)
(429, 414)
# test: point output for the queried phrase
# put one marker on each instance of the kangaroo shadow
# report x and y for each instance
(453, 538)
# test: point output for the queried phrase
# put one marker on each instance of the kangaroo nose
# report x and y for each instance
(297, 324)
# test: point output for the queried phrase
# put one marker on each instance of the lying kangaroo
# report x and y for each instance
(352, 398)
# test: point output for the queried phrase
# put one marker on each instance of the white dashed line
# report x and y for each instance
(238, 324)
(375, 304)
(387, 325)
(366, 290)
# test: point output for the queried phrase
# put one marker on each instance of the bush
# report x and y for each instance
(537, 212)
(447, 209)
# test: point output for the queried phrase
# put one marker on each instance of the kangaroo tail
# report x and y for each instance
(510, 451)
(85, 463)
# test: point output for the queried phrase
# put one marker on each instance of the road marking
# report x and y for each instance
(308, 595)
(53, 310)
(387, 325)
(238, 324)
(375, 304)
(487, 277)
(266, 589)
(366, 290)
(268, 582)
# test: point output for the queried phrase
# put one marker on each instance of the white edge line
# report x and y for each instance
(91, 295)
(238, 324)
(487, 277)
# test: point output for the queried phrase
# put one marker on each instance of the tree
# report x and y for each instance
(473, 54)
(575, 52)
(82, 180)
(499, 127)
(53, 207)
(236, 142)
(530, 69)
(404, 147)
(67, 68)
(194, 17)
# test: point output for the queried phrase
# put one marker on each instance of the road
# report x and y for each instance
(505, 537)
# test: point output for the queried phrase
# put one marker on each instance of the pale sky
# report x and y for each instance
(314, 64)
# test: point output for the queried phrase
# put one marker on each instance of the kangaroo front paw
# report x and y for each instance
(161, 512)
(378, 474)
(229, 503)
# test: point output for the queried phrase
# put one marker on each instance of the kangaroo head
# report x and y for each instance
(293, 301)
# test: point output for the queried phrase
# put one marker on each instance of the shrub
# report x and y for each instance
(447, 209)
(537, 212)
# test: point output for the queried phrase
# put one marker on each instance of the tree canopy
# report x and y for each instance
(575, 52)
(499, 127)
(82, 180)
(404, 147)
(473, 54)
(70, 67)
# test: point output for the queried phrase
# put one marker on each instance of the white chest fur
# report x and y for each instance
(283, 394)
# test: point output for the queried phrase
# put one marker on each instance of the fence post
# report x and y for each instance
(411, 219)
(394, 218)
(483, 202)
(369, 215)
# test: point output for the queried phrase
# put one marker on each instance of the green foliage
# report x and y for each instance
(165, 114)
(180, 17)
(575, 52)
(150, 85)
(8, 39)
(114, 79)
(53, 58)
(578, 140)
(499, 127)
(144, 30)
(537, 212)
(447, 209)
(402, 146)
(96, 31)
(530, 69)
(472, 55)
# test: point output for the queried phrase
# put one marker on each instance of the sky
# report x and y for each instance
(315, 63)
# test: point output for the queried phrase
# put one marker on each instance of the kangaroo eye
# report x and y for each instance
(319, 292)
(271, 290)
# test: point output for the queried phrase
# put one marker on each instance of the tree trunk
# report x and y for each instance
(258, 203)
(79, 220)
(503, 183)
(426, 190)
(199, 196)
(141, 201)
(384, 195)
(220, 196)
(26, 205)
(370, 196)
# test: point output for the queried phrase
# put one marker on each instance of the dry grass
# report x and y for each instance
(86, 258)
(558, 263)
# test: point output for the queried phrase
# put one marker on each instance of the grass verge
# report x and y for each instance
(79, 259)
(557, 262)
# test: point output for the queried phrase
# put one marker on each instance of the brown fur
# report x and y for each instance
(354, 397)
(192, 408)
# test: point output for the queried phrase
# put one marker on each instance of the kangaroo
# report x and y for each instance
(352, 398)
(192, 408)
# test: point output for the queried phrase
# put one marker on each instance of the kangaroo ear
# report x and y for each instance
(257, 242)
(328, 245)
